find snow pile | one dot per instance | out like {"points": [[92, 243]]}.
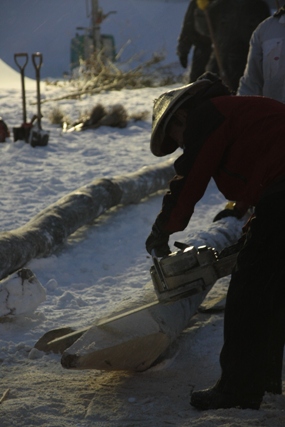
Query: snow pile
{"points": [[11, 79], [20, 294]]}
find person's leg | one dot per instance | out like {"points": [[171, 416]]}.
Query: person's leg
{"points": [[251, 358], [201, 56]]}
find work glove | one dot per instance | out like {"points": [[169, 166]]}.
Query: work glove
{"points": [[230, 210], [183, 59], [157, 242]]}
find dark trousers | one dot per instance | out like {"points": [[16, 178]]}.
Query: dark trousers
{"points": [[254, 324], [201, 57]]}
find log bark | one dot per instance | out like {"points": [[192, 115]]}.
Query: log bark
{"points": [[51, 227]]}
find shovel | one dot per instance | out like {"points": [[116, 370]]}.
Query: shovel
{"points": [[23, 131], [37, 135]]}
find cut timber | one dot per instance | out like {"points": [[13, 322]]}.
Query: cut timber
{"points": [[133, 340], [51, 227]]}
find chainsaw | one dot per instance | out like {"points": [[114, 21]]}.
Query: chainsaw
{"points": [[190, 270], [187, 272]]}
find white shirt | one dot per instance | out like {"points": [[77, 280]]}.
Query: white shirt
{"points": [[265, 69]]}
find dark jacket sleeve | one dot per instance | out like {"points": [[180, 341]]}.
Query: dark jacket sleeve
{"points": [[189, 35], [194, 168]]}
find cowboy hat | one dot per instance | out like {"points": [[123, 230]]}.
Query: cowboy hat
{"points": [[167, 104]]}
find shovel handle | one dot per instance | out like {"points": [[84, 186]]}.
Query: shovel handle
{"points": [[22, 68], [23, 55], [37, 59]]}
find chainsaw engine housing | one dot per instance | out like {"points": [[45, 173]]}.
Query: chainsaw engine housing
{"points": [[188, 272]]}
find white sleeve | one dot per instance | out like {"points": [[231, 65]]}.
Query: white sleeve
{"points": [[251, 83]]}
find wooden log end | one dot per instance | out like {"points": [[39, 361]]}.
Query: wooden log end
{"points": [[134, 355]]}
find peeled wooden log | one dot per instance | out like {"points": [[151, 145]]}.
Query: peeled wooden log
{"points": [[50, 228], [132, 341]]}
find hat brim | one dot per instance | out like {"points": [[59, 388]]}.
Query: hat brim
{"points": [[164, 108]]}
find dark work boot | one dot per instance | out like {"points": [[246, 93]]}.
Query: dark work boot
{"points": [[213, 398]]}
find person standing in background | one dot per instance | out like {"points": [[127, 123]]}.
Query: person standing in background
{"points": [[264, 74], [265, 69], [191, 38]]}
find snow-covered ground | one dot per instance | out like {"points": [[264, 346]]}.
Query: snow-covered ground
{"points": [[101, 266]]}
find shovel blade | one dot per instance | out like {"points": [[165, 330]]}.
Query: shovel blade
{"points": [[38, 137], [21, 133]]}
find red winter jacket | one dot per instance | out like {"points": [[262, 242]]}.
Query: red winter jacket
{"points": [[244, 153]]}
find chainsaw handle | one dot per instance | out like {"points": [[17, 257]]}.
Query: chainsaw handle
{"points": [[37, 59], [158, 269], [23, 55]]}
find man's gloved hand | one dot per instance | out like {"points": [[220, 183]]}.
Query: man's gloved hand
{"points": [[157, 241], [183, 59], [230, 210]]}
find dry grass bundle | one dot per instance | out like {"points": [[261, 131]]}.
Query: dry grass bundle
{"points": [[114, 116], [97, 113], [57, 116], [101, 74]]}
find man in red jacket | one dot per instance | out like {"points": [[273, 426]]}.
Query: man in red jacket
{"points": [[239, 142]]}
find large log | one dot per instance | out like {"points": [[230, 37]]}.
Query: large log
{"points": [[134, 340], [50, 228]]}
